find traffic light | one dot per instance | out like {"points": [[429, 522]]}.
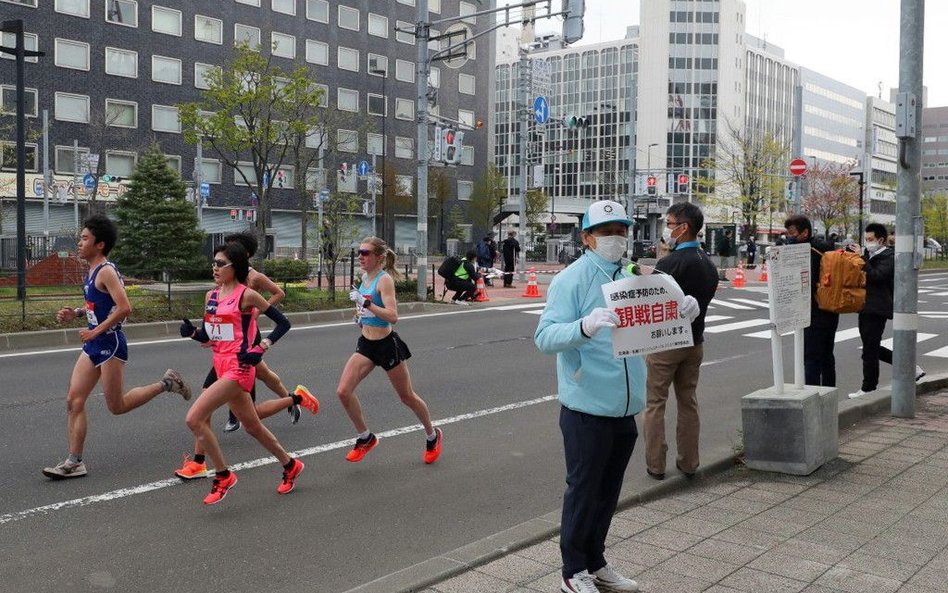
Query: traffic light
{"points": [[683, 183], [453, 143], [573, 23], [651, 183], [438, 150], [576, 122]]}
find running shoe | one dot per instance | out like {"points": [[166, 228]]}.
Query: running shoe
{"points": [[294, 412], [309, 400], [362, 446], [289, 477], [65, 470], [178, 385], [232, 424], [191, 469], [220, 488], [433, 448]]}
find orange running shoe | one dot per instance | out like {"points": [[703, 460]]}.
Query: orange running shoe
{"points": [[220, 488], [289, 476], [433, 448], [309, 400], [192, 469], [362, 446]]}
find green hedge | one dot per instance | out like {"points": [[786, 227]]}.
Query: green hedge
{"points": [[286, 270]]}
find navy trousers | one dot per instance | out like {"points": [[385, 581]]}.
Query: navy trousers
{"points": [[597, 450]]}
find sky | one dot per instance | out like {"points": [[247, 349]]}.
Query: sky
{"points": [[853, 41]]}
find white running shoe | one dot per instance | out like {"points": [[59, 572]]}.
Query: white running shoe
{"points": [[581, 582], [607, 578], [919, 373], [65, 469], [859, 393]]}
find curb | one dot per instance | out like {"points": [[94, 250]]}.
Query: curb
{"points": [[445, 566]]}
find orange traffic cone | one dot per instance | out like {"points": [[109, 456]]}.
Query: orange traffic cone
{"points": [[533, 290], [763, 272], [480, 295], [739, 281]]}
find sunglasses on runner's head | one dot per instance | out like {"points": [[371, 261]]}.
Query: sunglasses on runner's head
{"points": [[220, 264], [365, 252]]}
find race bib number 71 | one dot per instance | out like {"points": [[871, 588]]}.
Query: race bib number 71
{"points": [[219, 332]]}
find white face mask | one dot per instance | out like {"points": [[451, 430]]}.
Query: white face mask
{"points": [[872, 246], [611, 248]]}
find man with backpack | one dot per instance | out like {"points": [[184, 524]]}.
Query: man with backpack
{"points": [[819, 362], [880, 285]]}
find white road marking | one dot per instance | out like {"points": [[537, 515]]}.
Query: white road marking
{"points": [[152, 486], [515, 307], [940, 353], [540, 312], [730, 305], [763, 305], [846, 334], [713, 318], [727, 327], [919, 338]]}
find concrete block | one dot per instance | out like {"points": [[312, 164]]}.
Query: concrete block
{"points": [[794, 432]]}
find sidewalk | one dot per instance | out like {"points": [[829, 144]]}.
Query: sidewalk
{"points": [[873, 520]]}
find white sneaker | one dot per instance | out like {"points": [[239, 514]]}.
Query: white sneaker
{"points": [[859, 393], [607, 578], [919, 373], [65, 469], [462, 303], [581, 582]]}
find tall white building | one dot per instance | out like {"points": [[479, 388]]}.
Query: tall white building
{"points": [[881, 162]]}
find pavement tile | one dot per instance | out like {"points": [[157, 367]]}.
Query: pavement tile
{"points": [[548, 582], [625, 528], [781, 486], [903, 454], [940, 559], [545, 552], [756, 581], [934, 533], [816, 552], [784, 514], [912, 588], [792, 567], [823, 492], [474, 582], [805, 502], [722, 589], [850, 488], [851, 527], [881, 567], [713, 514], [820, 589], [698, 567], [724, 551], [878, 501], [750, 507], [723, 488], [749, 537], [879, 517], [761, 523], [641, 553], [694, 526], [866, 479], [671, 505], [660, 581], [640, 514], [699, 497], [853, 581], [924, 441], [809, 480], [840, 541], [667, 538], [515, 569], [759, 495], [887, 548]]}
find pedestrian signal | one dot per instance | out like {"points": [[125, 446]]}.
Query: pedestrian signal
{"points": [[651, 181]]}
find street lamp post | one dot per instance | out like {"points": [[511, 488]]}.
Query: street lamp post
{"points": [[861, 181], [384, 74]]}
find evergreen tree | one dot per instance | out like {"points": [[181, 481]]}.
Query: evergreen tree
{"points": [[158, 228]]}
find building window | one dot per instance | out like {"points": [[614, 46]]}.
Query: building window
{"points": [[404, 185], [466, 84], [8, 100], [378, 65], [73, 7], [323, 95], [208, 29], [374, 144], [347, 140], [121, 114], [317, 10], [245, 174], [465, 189], [174, 162], [404, 109], [347, 99], [284, 46], [122, 12], [466, 8], [466, 117], [348, 18], [120, 164], [404, 147], [201, 72], [315, 179], [71, 107], [164, 118], [404, 71], [8, 157], [66, 160], [347, 59], [434, 78], [248, 35], [434, 6], [166, 20], [211, 170], [378, 25], [376, 104], [284, 6], [167, 70], [317, 52], [30, 42], [407, 2], [121, 62], [404, 37], [72, 54], [467, 156]]}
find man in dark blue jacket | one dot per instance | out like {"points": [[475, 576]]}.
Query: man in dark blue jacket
{"points": [[880, 284]]}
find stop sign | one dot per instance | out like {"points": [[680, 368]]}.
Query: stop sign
{"points": [[798, 166]]}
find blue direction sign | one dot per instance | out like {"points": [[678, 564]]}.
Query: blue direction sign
{"points": [[363, 168], [323, 195], [541, 110], [88, 181], [205, 190]]}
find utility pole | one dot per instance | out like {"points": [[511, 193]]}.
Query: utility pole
{"points": [[422, 35], [523, 109], [908, 222], [860, 179]]}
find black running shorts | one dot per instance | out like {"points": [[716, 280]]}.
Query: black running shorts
{"points": [[386, 353]]}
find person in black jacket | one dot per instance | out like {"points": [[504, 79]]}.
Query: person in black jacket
{"points": [[464, 279], [819, 362], [880, 284], [511, 249], [692, 269]]}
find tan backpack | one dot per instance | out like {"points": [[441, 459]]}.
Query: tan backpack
{"points": [[841, 287]]}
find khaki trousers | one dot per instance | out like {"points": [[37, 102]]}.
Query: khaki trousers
{"points": [[681, 368]]}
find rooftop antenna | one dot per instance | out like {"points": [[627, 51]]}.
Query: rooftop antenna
{"points": [[880, 89]]}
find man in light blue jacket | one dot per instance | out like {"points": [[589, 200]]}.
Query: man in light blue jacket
{"points": [[600, 396]]}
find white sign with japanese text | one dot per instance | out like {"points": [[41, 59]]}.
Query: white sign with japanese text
{"points": [[647, 307], [788, 286]]}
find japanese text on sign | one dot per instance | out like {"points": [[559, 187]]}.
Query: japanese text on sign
{"points": [[649, 320]]}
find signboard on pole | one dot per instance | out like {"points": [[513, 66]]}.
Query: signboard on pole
{"points": [[541, 110], [798, 167], [88, 181], [363, 168], [205, 190], [788, 286], [649, 321]]}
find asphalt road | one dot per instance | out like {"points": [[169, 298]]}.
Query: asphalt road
{"points": [[131, 526]]}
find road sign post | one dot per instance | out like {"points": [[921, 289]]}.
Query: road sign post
{"points": [[797, 167], [541, 110]]}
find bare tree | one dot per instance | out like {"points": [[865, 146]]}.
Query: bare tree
{"points": [[831, 196]]}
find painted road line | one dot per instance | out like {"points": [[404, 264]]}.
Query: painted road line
{"points": [[940, 353], [919, 338], [846, 334], [516, 307], [728, 327], [763, 305], [259, 462], [713, 318], [724, 303]]}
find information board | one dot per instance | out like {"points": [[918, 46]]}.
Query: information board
{"points": [[789, 286], [648, 315]]}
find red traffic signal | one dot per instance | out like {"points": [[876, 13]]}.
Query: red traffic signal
{"points": [[449, 137], [651, 181], [682, 179]]}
